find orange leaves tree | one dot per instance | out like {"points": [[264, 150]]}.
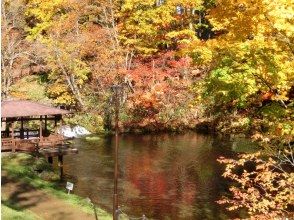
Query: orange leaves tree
{"points": [[161, 96], [263, 185]]}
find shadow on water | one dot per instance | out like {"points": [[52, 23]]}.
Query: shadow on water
{"points": [[164, 176]]}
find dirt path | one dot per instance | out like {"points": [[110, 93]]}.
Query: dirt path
{"points": [[43, 205]]}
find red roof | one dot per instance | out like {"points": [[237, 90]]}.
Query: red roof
{"points": [[23, 108]]}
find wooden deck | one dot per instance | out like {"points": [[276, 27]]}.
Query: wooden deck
{"points": [[53, 145], [25, 145], [57, 151], [56, 146]]}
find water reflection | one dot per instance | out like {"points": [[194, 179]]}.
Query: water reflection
{"points": [[163, 176]]}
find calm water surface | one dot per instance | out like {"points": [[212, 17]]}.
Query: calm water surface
{"points": [[165, 176]]}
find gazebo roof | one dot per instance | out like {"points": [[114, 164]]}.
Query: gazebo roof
{"points": [[24, 108]]}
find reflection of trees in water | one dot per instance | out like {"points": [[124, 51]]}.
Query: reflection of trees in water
{"points": [[162, 176], [180, 180], [92, 169]]}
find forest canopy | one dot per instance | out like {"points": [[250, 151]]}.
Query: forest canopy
{"points": [[225, 63]]}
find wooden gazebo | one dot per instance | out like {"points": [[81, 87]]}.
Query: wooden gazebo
{"points": [[18, 138], [24, 139]]}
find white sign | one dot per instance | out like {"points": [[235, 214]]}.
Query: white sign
{"points": [[69, 186]]}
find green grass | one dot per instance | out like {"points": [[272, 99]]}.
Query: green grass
{"points": [[92, 138], [21, 167], [8, 213]]}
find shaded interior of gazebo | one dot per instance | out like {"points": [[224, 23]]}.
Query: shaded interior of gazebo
{"points": [[15, 132]]}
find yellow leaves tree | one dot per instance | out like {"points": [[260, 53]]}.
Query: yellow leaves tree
{"points": [[80, 44], [266, 21], [66, 34], [42, 15], [150, 26], [252, 47]]}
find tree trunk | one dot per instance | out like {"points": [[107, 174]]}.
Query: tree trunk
{"points": [[70, 82]]}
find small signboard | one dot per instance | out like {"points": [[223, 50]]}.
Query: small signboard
{"points": [[69, 186]]}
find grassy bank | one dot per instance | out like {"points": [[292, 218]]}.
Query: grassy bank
{"points": [[38, 173], [14, 214]]}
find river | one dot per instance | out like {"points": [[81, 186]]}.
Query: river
{"points": [[164, 176]]}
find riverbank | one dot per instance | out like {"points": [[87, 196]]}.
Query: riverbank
{"points": [[29, 185]]}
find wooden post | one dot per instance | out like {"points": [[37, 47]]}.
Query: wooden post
{"points": [[60, 164], [41, 127], [7, 128], [12, 136], [117, 89], [45, 124], [21, 128], [55, 124], [50, 159], [61, 122]]}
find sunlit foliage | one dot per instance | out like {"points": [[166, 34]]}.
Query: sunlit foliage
{"points": [[250, 61], [151, 26], [224, 61], [264, 186]]}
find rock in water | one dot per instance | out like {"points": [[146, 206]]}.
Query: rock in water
{"points": [[76, 131], [80, 131], [66, 131]]}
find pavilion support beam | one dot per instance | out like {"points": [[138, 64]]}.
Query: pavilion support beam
{"points": [[55, 124], [46, 125], [7, 127], [60, 165], [41, 129], [12, 136], [61, 122], [50, 159], [21, 128]]}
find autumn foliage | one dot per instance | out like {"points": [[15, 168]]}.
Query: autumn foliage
{"points": [[160, 86], [224, 64], [264, 187]]}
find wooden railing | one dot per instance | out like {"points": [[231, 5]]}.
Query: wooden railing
{"points": [[32, 144], [9, 144], [51, 141]]}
